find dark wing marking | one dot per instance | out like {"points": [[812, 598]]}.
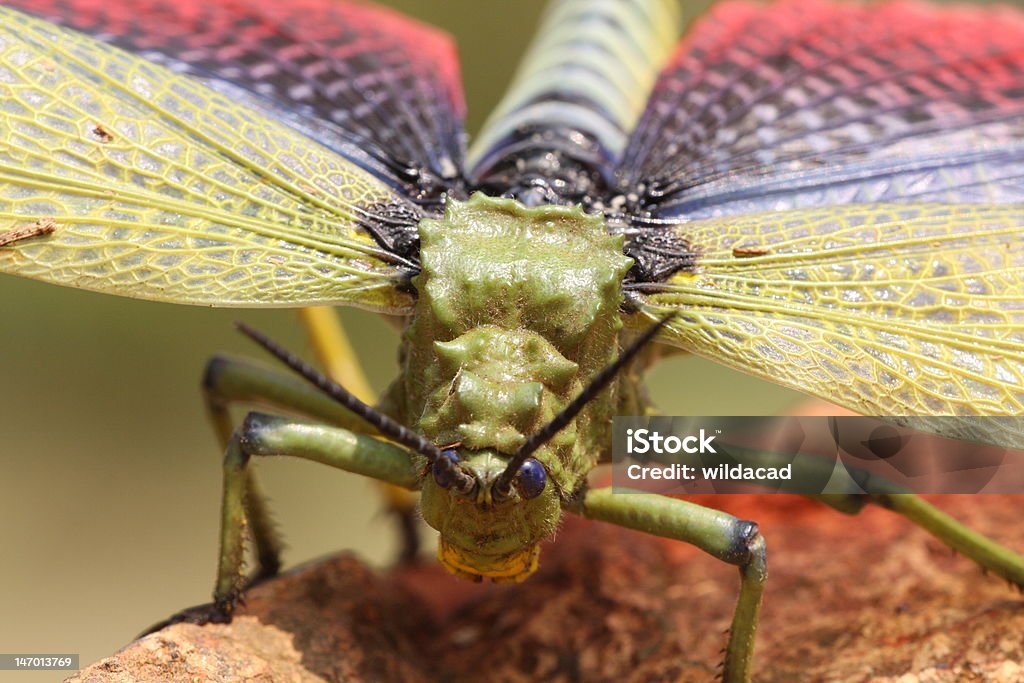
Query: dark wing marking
{"points": [[804, 103], [378, 88]]}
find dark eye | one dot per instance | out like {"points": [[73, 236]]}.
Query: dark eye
{"points": [[446, 468], [532, 478]]}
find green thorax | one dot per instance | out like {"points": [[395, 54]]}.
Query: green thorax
{"points": [[518, 308]]}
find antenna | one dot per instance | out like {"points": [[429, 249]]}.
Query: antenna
{"points": [[384, 424]]}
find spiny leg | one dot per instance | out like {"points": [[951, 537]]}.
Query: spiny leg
{"points": [[337, 356], [228, 381], [268, 435], [719, 534], [813, 472]]}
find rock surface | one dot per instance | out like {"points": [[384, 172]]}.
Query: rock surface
{"points": [[867, 598]]}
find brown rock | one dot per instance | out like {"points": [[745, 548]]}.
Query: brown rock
{"points": [[868, 598]]}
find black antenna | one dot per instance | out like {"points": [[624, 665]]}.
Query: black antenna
{"points": [[560, 421], [384, 424]]}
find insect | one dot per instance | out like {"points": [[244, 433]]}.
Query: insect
{"points": [[831, 201]]}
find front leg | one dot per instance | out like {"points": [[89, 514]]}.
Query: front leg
{"points": [[719, 534], [229, 381], [268, 435]]}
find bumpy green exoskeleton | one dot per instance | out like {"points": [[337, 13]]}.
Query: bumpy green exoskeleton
{"points": [[517, 309]]}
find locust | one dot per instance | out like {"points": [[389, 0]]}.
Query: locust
{"points": [[829, 196]]}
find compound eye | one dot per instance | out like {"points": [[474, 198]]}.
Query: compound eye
{"points": [[445, 468], [532, 478]]}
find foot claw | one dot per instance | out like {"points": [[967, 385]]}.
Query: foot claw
{"points": [[207, 613]]}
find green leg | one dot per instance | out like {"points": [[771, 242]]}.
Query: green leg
{"points": [[990, 555], [228, 381], [993, 557], [267, 435], [729, 539]]}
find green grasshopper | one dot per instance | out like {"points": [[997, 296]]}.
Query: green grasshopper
{"points": [[832, 224]]}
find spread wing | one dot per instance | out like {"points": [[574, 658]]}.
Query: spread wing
{"points": [[832, 195], [376, 87], [120, 176], [886, 309], [804, 103]]}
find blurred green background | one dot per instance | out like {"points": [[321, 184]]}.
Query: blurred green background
{"points": [[109, 473]]}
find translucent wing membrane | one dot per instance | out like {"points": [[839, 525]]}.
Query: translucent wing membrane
{"points": [[803, 103], [117, 175], [888, 309], [378, 88], [832, 195], [556, 136]]}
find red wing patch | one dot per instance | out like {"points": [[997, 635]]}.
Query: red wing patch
{"points": [[379, 88], [803, 103]]}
